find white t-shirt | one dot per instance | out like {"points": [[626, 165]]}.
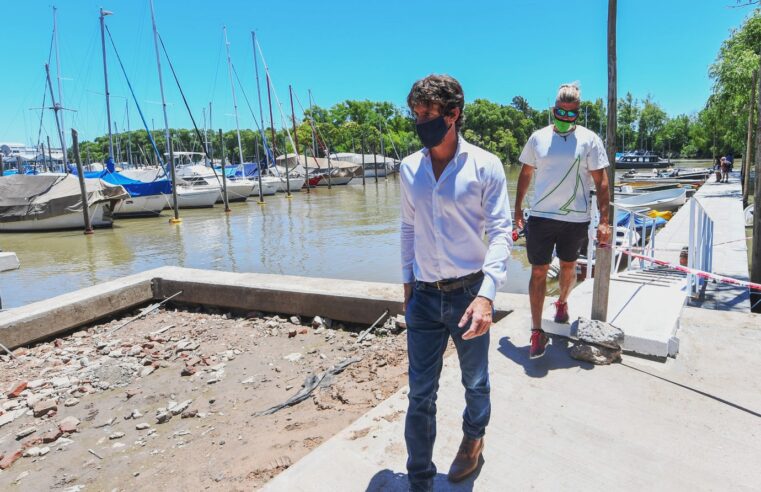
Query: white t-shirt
{"points": [[562, 165]]}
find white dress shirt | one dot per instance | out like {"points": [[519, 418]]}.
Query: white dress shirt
{"points": [[444, 221]]}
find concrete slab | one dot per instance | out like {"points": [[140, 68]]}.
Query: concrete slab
{"points": [[558, 424], [342, 300], [646, 308], [8, 261], [40, 320]]}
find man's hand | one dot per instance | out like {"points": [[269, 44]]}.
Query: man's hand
{"points": [[519, 222], [407, 295], [604, 232], [480, 312]]}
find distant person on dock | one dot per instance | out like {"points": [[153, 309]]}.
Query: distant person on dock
{"points": [[724, 170], [452, 193], [566, 159], [717, 168]]}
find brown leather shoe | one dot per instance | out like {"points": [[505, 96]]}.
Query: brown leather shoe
{"points": [[467, 459]]}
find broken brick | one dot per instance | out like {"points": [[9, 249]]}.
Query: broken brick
{"points": [[9, 459], [17, 389]]}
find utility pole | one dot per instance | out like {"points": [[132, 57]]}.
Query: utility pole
{"points": [[604, 255], [748, 158], [755, 257]]}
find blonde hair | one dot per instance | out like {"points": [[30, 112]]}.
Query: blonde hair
{"points": [[569, 93]]}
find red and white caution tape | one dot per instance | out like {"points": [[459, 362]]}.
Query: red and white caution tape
{"points": [[693, 271]]}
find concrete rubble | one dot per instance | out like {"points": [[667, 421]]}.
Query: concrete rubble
{"points": [[597, 342], [49, 393]]}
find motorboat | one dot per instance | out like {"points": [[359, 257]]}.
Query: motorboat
{"points": [[641, 159], [48, 202], [198, 175], [662, 175], [658, 200]]}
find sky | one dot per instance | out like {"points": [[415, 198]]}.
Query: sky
{"points": [[343, 49]]}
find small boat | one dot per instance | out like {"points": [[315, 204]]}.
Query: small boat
{"points": [[8, 261], [660, 200], [641, 159], [663, 175], [49, 202]]}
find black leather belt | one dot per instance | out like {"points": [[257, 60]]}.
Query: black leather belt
{"points": [[451, 284]]}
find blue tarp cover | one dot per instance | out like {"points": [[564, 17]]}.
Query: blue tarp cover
{"points": [[622, 219], [134, 188]]}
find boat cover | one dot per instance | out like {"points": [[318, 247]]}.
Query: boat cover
{"points": [[134, 187], [24, 197], [622, 219]]}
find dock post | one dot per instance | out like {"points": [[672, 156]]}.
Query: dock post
{"points": [[225, 199], [604, 255], [82, 187]]}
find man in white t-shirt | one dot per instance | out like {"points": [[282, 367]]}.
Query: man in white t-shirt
{"points": [[566, 160]]}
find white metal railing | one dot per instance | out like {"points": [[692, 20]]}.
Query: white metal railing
{"points": [[638, 237], [700, 247]]}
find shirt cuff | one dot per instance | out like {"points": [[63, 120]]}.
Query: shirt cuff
{"points": [[407, 275], [488, 289]]}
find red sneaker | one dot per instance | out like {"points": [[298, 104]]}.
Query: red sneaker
{"points": [[538, 343], [561, 312]]}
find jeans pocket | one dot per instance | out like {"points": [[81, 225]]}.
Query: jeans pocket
{"points": [[473, 289]]}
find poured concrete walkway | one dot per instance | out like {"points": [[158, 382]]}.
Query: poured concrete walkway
{"points": [[723, 204], [693, 423]]}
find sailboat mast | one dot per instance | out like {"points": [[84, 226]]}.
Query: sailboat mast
{"points": [[166, 120], [205, 139], [129, 134], [60, 88], [272, 120], [57, 109], [259, 94], [261, 126], [311, 115], [232, 88], [103, 14]]}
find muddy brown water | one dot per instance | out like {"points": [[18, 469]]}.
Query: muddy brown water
{"points": [[348, 232]]}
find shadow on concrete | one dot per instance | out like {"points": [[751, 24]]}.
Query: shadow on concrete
{"points": [[695, 390], [388, 481], [556, 357]]}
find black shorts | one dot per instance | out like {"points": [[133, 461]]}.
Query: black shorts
{"points": [[543, 235]]}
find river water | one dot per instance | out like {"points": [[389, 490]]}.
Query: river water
{"points": [[348, 232]]}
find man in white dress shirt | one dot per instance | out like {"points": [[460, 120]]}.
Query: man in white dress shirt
{"points": [[453, 193]]}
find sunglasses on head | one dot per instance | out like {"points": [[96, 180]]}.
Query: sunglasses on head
{"points": [[566, 113]]}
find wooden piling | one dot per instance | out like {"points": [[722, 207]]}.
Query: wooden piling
{"points": [[82, 187]]}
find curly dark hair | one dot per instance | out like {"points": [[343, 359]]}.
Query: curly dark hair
{"points": [[443, 90]]}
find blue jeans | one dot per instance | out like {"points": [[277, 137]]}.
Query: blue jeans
{"points": [[432, 317]]}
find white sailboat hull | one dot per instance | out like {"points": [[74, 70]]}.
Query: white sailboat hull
{"points": [[100, 216], [335, 181], [194, 197], [141, 206], [296, 183], [269, 186], [238, 190]]}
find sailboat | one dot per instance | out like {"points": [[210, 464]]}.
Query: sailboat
{"points": [[145, 199]]}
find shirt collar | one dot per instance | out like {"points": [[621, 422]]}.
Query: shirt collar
{"points": [[463, 147]]}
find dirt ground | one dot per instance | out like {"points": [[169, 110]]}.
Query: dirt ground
{"points": [[168, 402]]}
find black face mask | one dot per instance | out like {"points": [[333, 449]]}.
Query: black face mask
{"points": [[432, 132]]}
